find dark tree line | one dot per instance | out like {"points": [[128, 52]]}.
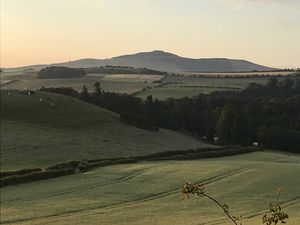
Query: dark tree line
{"points": [[52, 72], [267, 114], [123, 69]]}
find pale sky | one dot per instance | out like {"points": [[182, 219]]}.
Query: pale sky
{"points": [[48, 31]]}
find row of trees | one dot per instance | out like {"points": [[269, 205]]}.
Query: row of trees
{"points": [[52, 72], [267, 114], [123, 69]]}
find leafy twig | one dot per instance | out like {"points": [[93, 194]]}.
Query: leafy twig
{"points": [[198, 189], [275, 214]]}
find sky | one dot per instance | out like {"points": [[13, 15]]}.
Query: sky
{"points": [[266, 32]]}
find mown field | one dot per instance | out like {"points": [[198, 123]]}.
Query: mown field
{"points": [[149, 193], [43, 129]]}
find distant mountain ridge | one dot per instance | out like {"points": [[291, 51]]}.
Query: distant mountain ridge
{"points": [[165, 61]]}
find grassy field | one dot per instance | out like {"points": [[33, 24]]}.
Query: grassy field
{"points": [[77, 83], [214, 81], [177, 91], [272, 73], [149, 193], [133, 77], [189, 86], [44, 128], [121, 83]]}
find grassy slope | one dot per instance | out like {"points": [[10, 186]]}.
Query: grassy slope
{"points": [[59, 128], [148, 193]]}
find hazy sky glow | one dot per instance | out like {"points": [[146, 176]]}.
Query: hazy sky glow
{"points": [[47, 31]]}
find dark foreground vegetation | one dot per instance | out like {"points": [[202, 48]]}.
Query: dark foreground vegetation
{"points": [[53, 72], [267, 115], [77, 166]]}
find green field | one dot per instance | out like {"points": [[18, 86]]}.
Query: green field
{"points": [[45, 128], [214, 81], [133, 78], [149, 193], [269, 73], [189, 86], [174, 86], [77, 84], [173, 91]]}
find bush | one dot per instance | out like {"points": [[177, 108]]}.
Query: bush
{"points": [[83, 166]]}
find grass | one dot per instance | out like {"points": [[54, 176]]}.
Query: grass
{"points": [[189, 86], [77, 83], [149, 193], [133, 77], [271, 73], [44, 128], [216, 82], [177, 92]]}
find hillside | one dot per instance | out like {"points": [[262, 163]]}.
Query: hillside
{"points": [[149, 193], [164, 61], [43, 128]]}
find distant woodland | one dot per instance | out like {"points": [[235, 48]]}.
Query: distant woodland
{"points": [[60, 72], [122, 69], [266, 115]]}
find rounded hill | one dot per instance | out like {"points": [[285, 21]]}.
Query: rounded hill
{"points": [[42, 128]]}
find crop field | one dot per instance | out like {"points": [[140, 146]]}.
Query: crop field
{"points": [[174, 86], [215, 82], [133, 78], [58, 128], [272, 73], [189, 86], [77, 84], [166, 92], [149, 193]]}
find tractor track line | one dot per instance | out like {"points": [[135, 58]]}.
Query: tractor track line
{"points": [[134, 202]]}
